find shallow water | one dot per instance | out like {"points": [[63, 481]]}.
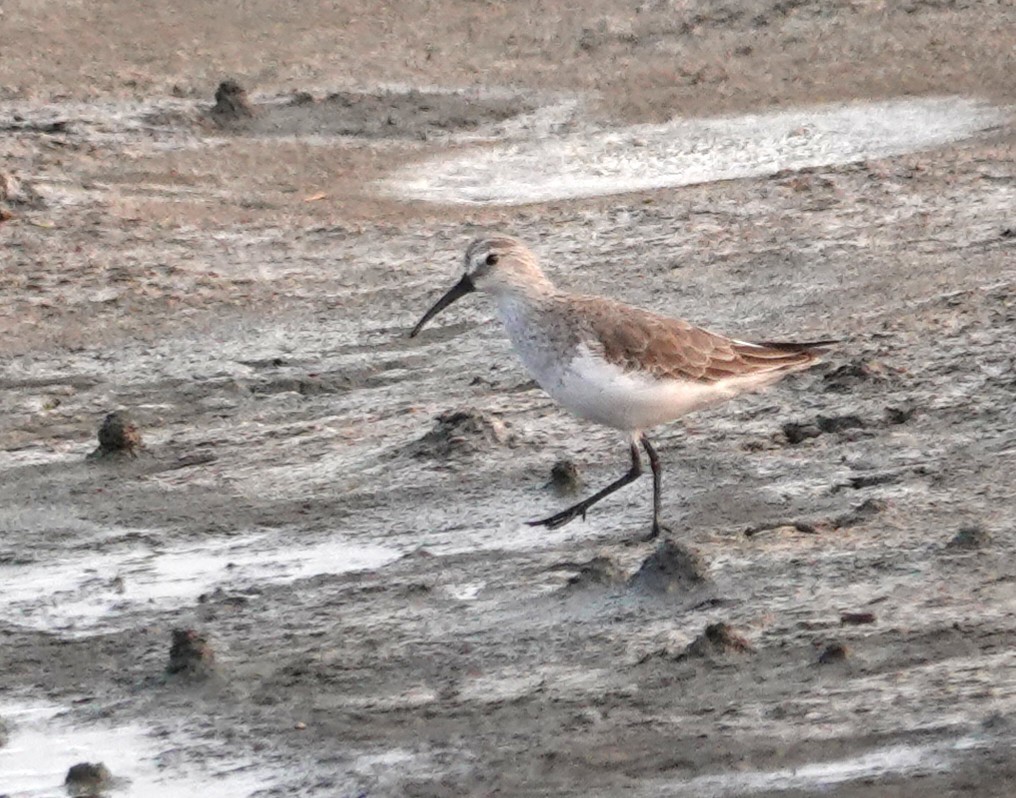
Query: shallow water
{"points": [[92, 589], [688, 151], [44, 745]]}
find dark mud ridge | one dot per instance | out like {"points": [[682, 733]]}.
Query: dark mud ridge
{"points": [[378, 114]]}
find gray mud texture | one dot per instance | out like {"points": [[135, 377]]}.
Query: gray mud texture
{"points": [[338, 509]]}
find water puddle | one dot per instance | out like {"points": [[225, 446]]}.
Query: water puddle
{"points": [[900, 760], [94, 589], [44, 745], [688, 151]]}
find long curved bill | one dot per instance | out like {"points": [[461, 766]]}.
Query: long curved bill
{"points": [[460, 289]]}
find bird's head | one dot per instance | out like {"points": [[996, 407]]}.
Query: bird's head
{"points": [[494, 265]]}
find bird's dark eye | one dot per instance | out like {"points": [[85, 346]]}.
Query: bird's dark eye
{"points": [[492, 258]]}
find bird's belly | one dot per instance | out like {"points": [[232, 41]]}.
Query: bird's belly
{"points": [[599, 391]]}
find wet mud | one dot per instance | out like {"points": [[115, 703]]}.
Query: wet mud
{"points": [[379, 114], [301, 567]]}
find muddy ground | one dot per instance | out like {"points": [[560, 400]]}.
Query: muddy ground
{"points": [[382, 621]]}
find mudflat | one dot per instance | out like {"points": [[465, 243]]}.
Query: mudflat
{"points": [[324, 518]]}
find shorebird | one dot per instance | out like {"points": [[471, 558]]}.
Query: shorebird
{"points": [[612, 363]]}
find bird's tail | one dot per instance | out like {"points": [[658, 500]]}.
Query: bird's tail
{"points": [[794, 346]]}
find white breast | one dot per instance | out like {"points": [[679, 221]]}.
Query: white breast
{"points": [[542, 346]]}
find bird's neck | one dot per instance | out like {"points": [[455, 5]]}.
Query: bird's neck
{"points": [[520, 305], [536, 287]]}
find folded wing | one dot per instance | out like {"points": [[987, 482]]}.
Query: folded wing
{"points": [[638, 340]]}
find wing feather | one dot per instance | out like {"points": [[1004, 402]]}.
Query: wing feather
{"points": [[637, 340]]}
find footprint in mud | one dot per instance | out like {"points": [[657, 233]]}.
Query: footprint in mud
{"points": [[859, 515], [796, 432]]}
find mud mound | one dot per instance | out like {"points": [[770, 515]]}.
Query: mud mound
{"points": [[850, 376], [373, 115], [598, 572], [672, 568], [833, 653], [88, 779], [463, 432], [857, 618], [564, 478], [861, 514], [190, 655], [717, 640], [119, 436], [970, 538], [16, 193], [231, 103], [304, 385]]}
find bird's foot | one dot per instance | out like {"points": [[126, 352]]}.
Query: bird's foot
{"points": [[561, 518], [655, 532]]}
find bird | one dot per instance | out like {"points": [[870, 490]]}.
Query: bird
{"points": [[611, 363]]}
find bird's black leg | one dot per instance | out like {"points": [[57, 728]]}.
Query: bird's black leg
{"points": [[563, 517], [654, 463]]}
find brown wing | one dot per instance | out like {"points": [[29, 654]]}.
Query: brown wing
{"points": [[636, 339]]}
